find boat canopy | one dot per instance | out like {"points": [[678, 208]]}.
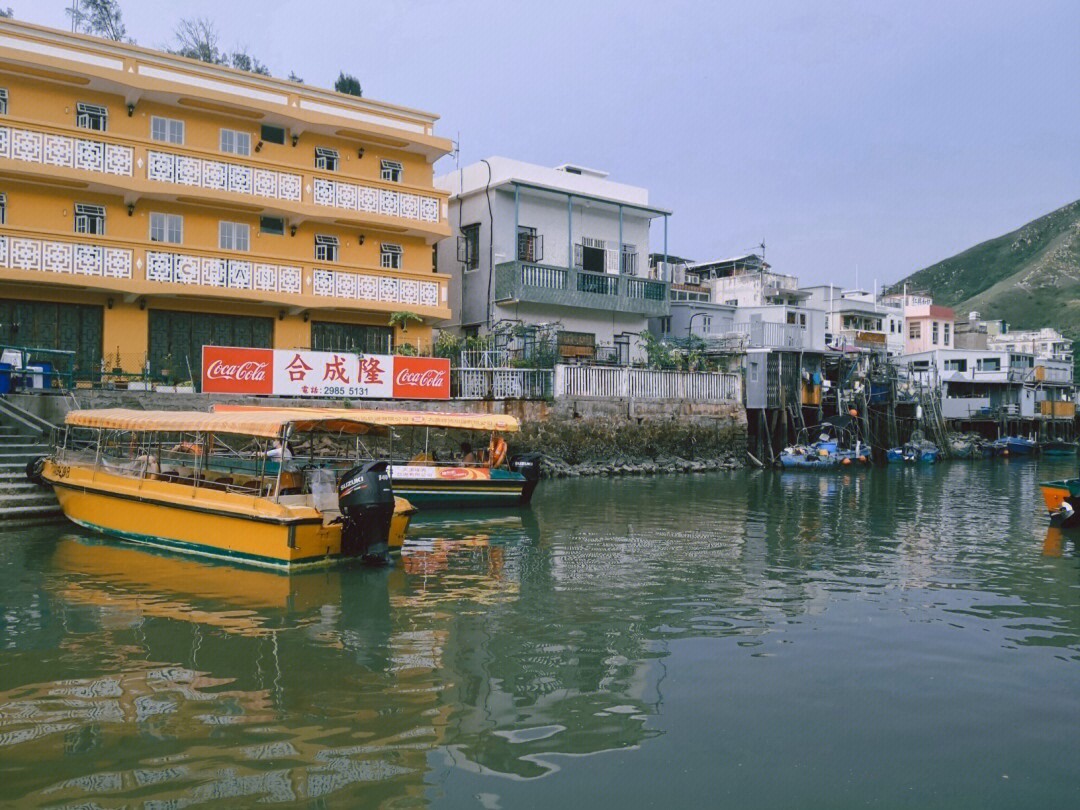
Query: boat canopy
{"points": [[267, 423], [394, 418]]}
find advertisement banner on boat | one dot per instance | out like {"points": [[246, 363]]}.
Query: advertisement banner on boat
{"points": [[300, 373]]}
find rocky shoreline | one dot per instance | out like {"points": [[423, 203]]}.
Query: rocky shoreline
{"points": [[552, 467]]}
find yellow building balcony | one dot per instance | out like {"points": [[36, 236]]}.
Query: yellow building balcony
{"points": [[134, 270], [137, 169]]}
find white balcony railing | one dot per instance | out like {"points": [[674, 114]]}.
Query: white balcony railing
{"points": [[65, 151], [220, 175], [65, 258], [766, 335]]}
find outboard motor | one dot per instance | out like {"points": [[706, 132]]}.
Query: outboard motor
{"points": [[366, 500], [528, 465]]}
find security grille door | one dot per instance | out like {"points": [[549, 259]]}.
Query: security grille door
{"points": [[45, 325]]}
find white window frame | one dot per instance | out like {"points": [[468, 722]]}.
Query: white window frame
{"points": [[235, 142], [87, 114], [392, 171], [169, 226], [390, 256], [234, 236], [3, 100], [90, 219], [172, 129], [326, 159], [326, 248]]}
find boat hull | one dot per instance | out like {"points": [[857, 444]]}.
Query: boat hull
{"points": [[206, 523], [1062, 499], [461, 487]]}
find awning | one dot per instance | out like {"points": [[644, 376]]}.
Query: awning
{"points": [[269, 423], [394, 418]]}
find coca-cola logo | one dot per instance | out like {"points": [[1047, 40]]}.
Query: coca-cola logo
{"points": [[431, 378], [249, 371]]}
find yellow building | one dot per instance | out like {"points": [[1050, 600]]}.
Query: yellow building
{"points": [[151, 204]]}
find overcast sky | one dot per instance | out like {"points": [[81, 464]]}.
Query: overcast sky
{"points": [[880, 135]]}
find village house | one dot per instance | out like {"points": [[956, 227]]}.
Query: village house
{"points": [[562, 249]]}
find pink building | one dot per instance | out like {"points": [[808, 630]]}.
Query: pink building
{"points": [[928, 327]]}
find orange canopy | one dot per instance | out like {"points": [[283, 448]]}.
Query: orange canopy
{"points": [[268, 423], [393, 418]]}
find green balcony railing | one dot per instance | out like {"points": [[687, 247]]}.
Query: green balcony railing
{"points": [[533, 283]]}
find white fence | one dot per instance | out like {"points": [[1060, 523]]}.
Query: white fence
{"points": [[637, 383], [500, 383]]}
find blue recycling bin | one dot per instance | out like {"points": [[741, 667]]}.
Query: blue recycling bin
{"points": [[46, 372], [5, 378]]}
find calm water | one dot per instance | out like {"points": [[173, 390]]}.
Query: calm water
{"points": [[881, 638]]}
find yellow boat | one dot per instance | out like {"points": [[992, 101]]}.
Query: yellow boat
{"points": [[213, 485]]}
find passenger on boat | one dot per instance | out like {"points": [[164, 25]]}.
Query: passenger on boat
{"points": [[468, 457]]}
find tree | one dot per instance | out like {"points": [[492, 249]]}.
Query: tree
{"points": [[294, 78], [349, 84], [102, 18], [198, 38], [7, 12]]}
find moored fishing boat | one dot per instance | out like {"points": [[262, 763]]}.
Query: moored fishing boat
{"points": [[1062, 499], [1058, 448], [491, 478], [224, 486], [1014, 446], [835, 446], [918, 450]]}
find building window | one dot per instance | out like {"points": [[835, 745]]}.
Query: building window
{"points": [[469, 246], [628, 260], [791, 317], [3, 101], [947, 335], [89, 219], [3, 209], [391, 171], [234, 236], [235, 142], [326, 159], [988, 364], [914, 330], [934, 333], [530, 247], [272, 134], [956, 365], [170, 130], [272, 225], [665, 326], [167, 228], [326, 248], [91, 116], [802, 319], [390, 256]]}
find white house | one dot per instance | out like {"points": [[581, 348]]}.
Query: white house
{"points": [[564, 248]]}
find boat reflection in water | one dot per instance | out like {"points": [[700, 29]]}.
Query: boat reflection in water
{"points": [[337, 682]]}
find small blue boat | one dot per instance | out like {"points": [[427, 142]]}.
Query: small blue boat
{"points": [[826, 451], [914, 453], [1014, 446]]}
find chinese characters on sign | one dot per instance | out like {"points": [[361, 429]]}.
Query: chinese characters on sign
{"points": [[298, 373]]}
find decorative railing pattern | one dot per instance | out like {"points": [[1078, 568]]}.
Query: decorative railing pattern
{"points": [[233, 274], [371, 200], [637, 383], [74, 258], [52, 149], [363, 287], [501, 383], [219, 175]]}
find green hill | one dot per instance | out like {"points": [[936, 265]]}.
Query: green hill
{"points": [[1030, 277]]}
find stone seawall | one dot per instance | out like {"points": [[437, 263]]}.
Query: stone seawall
{"points": [[576, 436]]}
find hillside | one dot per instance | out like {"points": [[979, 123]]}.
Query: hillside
{"points": [[1030, 277]]}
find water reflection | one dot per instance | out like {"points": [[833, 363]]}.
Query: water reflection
{"points": [[511, 645]]}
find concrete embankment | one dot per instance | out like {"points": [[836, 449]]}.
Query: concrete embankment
{"points": [[578, 437]]}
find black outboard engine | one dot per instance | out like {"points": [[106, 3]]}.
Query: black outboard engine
{"points": [[528, 465], [366, 500]]}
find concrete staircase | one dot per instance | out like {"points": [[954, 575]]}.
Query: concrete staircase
{"points": [[23, 503]]}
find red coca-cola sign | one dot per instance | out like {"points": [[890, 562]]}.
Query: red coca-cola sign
{"points": [[421, 378], [229, 370]]}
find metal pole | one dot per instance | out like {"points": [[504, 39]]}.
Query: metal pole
{"points": [[620, 239], [665, 239], [569, 230], [517, 222]]}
